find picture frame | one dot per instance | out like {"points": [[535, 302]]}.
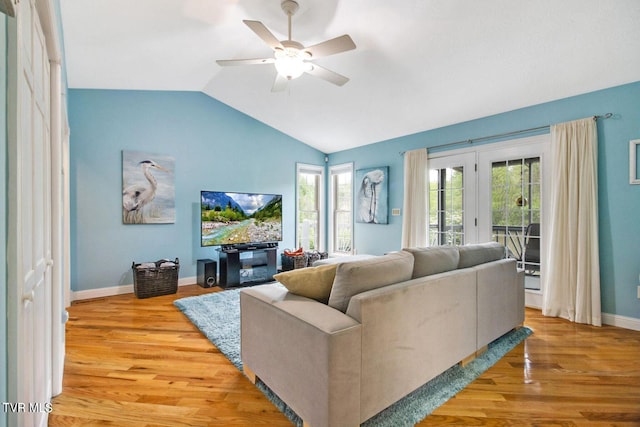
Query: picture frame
{"points": [[634, 161], [372, 195], [148, 188]]}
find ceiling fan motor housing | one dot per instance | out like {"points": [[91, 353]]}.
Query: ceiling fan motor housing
{"points": [[290, 7]]}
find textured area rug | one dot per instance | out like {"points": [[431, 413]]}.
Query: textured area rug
{"points": [[217, 315]]}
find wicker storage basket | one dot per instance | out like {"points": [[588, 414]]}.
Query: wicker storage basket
{"points": [[315, 256], [152, 281], [293, 262]]}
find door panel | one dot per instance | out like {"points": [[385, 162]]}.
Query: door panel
{"points": [[452, 200], [512, 200], [29, 243]]}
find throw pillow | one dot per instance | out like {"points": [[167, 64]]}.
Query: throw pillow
{"points": [[310, 282], [356, 277]]}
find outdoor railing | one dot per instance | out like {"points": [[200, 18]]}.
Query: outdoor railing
{"points": [[514, 238]]}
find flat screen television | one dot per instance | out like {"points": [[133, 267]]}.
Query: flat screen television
{"points": [[228, 219]]}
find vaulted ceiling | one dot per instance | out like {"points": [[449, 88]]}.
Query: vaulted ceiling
{"points": [[418, 65]]}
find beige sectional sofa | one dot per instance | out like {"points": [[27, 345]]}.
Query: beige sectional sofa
{"points": [[389, 325]]}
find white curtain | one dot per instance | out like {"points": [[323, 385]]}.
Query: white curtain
{"points": [[571, 281], [414, 220]]}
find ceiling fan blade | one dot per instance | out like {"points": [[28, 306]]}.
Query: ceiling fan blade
{"points": [[331, 47], [328, 75], [264, 33], [257, 61], [280, 83]]}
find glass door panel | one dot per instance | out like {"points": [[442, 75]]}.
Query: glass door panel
{"points": [[451, 200], [515, 219]]}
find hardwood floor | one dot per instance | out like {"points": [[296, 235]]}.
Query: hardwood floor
{"points": [[141, 363]]}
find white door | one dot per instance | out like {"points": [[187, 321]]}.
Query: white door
{"points": [[512, 187], [29, 235], [452, 200]]}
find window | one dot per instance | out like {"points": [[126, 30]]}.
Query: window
{"points": [[309, 203], [341, 209]]}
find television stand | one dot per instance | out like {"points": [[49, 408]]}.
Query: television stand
{"points": [[247, 265]]}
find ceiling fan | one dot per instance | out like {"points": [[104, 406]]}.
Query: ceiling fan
{"points": [[291, 58]]}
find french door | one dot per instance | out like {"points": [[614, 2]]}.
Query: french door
{"points": [[494, 192]]}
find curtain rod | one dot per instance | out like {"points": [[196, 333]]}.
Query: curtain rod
{"points": [[502, 135]]}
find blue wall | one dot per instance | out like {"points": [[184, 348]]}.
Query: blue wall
{"points": [[619, 202], [215, 148]]}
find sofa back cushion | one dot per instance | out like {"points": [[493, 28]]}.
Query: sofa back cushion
{"points": [[472, 255], [355, 277], [433, 260]]}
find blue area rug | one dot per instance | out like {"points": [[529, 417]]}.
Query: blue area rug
{"points": [[217, 315]]}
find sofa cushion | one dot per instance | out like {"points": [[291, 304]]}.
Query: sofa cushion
{"points": [[471, 255], [310, 282], [355, 277], [433, 260]]}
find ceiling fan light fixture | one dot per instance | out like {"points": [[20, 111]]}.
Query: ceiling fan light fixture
{"points": [[291, 62]]}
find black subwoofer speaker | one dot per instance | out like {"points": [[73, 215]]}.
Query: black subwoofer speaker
{"points": [[207, 272]]}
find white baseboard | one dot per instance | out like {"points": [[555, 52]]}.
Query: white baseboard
{"points": [[118, 290], [621, 321], [533, 299], [615, 320]]}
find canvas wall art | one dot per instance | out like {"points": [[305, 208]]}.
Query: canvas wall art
{"points": [[372, 195], [148, 188]]}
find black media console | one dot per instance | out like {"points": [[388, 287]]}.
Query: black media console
{"points": [[247, 265]]}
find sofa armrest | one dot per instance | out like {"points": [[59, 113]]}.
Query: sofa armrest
{"points": [[500, 299], [306, 352]]}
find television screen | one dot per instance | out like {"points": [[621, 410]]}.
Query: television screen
{"points": [[239, 218]]}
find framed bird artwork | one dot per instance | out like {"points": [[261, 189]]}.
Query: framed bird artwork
{"points": [[148, 188], [372, 195]]}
